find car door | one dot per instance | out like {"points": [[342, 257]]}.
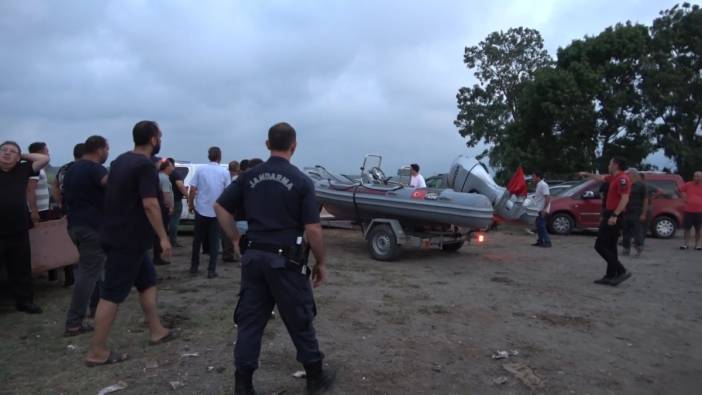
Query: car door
{"points": [[664, 196], [589, 205]]}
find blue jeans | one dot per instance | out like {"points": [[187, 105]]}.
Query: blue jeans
{"points": [[542, 231], [205, 227]]}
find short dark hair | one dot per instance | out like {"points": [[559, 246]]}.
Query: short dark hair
{"points": [[244, 165], [94, 143], [164, 164], [171, 160], [78, 151], [143, 132], [414, 167], [538, 173], [281, 136], [620, 162], [19, 149], [36, 147], [214, 154], [255, 162], [234, 166]]}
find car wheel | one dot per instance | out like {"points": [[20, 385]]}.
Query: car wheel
{"points": [[382, 243], [664, 227], [562, 224]]}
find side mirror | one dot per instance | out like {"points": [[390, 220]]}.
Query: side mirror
{"points": [[589, 195]]}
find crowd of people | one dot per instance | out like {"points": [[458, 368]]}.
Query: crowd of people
{"points": [[124, 222]]}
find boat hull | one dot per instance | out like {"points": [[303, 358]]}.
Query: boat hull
{"points": [[411, 207]]}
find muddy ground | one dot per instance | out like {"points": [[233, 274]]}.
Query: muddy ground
{"points": [[428, 323]]}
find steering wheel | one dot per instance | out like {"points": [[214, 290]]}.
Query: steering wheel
{"points": [[377, 175]]}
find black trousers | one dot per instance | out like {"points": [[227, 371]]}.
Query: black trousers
{"points": [[205, 227], [265, 283], [606, 245], [633, 228], [16, 255]]}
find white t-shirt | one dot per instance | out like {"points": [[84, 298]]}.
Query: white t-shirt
{"points": [[42, 191], [210, 181], [418, 181], [542, 190]]}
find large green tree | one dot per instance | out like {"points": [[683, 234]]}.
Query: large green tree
{"points": [[609, 68], [673, 85], [501, 63], [554, 131]]}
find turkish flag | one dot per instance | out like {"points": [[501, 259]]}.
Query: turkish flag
{"points": [[518, 185]]}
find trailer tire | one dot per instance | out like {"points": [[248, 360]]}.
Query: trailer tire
{"points": [[382, 243], [452, 247]]}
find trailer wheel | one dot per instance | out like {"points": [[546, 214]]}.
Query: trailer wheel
{"points": [[451, 247], [382, 243]]}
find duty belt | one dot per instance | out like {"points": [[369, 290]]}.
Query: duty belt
{"points": [[273, 249], [293, 262]]}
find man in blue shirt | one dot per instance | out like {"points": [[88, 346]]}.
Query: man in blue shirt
{"points": [[280, 205], [84, 198]]}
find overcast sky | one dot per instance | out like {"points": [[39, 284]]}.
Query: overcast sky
{"points": [[353, 77]]}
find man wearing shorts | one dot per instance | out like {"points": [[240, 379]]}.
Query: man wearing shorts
{"points": [[692, 195], [131, 215]]}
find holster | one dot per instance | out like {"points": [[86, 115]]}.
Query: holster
{"points": [[296, 256]]}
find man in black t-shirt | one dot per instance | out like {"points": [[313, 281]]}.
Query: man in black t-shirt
{"points": [[84, 198], [15, 251], [57, 186], [131, 215], [634, 221]]}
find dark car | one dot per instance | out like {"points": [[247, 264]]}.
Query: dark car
{"points": [[580, 207]]}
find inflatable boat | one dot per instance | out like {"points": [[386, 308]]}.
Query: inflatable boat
{"points": [[472, 201]]}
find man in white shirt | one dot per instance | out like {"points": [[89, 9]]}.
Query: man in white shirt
{"points": [[417, 180], [38, 189], [38, 200], [207, 184], [542, 202]]}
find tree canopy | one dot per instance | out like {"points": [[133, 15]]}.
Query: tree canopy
{"points": [[628, 91]]}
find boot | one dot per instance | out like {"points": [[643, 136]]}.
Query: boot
{"points": [[243, 382], [319, 381]]}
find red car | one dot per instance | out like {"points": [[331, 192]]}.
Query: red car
{"points": [[580, 207]]}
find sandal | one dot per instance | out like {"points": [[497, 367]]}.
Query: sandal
{"points": [[83, 328], [114, 357], [172, 335]]}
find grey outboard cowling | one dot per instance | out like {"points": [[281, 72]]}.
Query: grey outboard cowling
{"points": [[467, 174]]}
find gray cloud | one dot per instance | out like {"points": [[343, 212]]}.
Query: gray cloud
{"points": [[353, 77]]}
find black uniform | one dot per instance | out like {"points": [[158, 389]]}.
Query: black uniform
{"points": [[279, 201]]}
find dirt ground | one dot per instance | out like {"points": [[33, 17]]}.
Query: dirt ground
{"points": [[428, 323]]}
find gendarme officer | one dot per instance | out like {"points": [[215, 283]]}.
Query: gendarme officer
{"points": [[281, 209]]}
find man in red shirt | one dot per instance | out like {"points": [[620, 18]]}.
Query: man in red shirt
{"points": [[692, 195], [610, 225]]}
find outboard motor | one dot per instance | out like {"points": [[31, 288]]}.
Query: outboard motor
{"points": [[467, 174]]}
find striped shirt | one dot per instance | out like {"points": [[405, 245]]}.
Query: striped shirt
{"points": [[42, 191]]}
